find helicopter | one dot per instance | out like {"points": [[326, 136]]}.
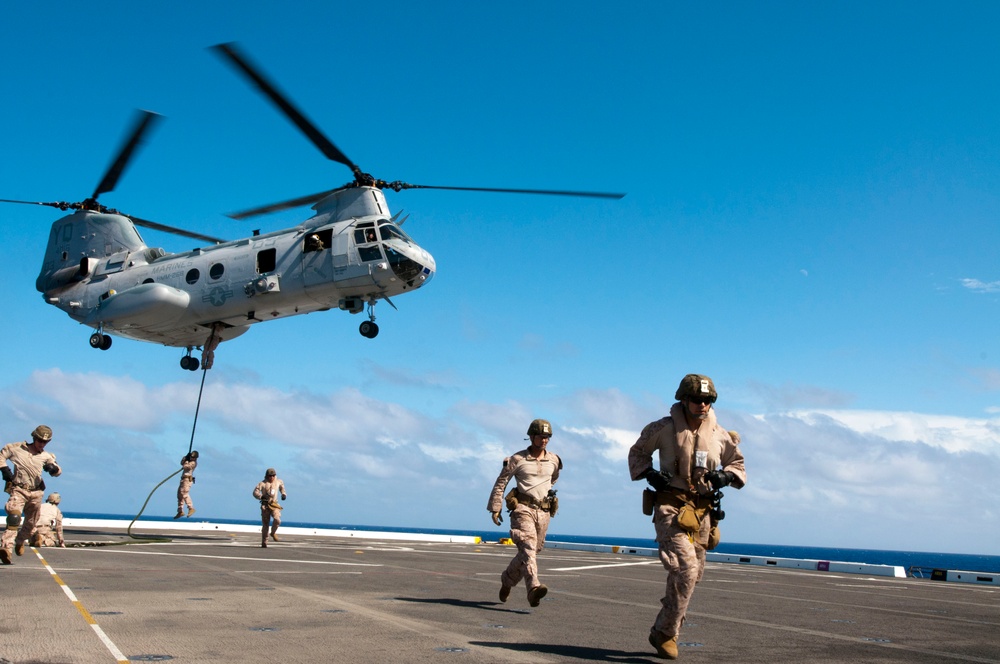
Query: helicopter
{"points": [[348, 256]]}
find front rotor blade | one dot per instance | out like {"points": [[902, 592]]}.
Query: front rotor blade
{"points": [[174, 231], [547, 192], [305, 126], [284, 205], [142, 123]]}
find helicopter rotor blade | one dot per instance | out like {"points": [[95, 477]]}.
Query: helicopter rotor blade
{"points": [[284, 205], [141, 125], [281, 101], [397, 186], [145, 223], [62, 205]]}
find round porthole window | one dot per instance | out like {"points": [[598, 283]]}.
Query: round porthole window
{"points": [[192, 276], [216, 271]]}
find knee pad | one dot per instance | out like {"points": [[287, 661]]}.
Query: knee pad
{"points": [[13, 520]]}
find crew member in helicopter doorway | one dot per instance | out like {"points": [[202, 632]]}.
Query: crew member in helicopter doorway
{"points": [[267, 492], [188, 463]]}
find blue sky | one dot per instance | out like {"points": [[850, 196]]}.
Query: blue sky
{"points": [[811, 220]]}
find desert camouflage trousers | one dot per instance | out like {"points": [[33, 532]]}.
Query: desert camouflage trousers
{"points": [[44, 536], [23, 508], [684, 561], [528, 526], [184, 494]]}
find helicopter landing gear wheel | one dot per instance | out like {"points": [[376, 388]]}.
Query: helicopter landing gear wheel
{"points": [[369, 329], [190, 363], [99, 340]]}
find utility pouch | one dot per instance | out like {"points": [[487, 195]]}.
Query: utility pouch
{"points": [[648, 500], [714, 537], [687, 519], [511, 500], [551, 505]]}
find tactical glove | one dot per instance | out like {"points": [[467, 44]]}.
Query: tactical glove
{"points": [[283, 496], [51, 468], [719, 478], [657, 480], [497, 518], [5, 472]]}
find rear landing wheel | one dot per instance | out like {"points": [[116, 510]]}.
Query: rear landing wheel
{"points": [[98, 340], [190, 363], [369, 329]]}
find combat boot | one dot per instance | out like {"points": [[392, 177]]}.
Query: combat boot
{"points": [[179, 514], [19, 548], [504, 592], [190, 511], [665, 648], [536, 594], [5, 556], [263, 544], [274, 536]]}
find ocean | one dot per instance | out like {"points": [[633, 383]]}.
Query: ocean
{"points": [[916, 562]]}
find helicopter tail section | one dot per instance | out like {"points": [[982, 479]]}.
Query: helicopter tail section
{"points": [[80, 242]]}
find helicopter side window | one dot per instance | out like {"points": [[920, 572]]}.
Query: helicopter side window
{"points": [[365, 236], [266, 260], [192, 276], [216, 271], [318, 241]]}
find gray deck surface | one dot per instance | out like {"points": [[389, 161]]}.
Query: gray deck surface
{"points": [[219, 597]]}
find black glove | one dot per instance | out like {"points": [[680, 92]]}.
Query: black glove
{"points": [[283, 496], [657, 480], [50, 468], [719, 478], [7, 475]]}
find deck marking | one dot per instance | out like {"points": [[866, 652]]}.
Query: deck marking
{"points": [[108, 643], [245, 558], [574, 569]]}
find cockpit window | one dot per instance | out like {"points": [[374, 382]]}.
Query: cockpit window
{"points": [[365, 236], [370, 253], [390, 231]]}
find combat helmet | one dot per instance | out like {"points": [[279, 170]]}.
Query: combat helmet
{"points": [[539, 428], [696, 385], [54, 498], [42, 432]]}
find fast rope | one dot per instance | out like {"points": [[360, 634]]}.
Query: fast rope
{"points": [[194, 426]]}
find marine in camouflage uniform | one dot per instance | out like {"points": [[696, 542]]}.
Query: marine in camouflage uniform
{"points": [[188, 463], [26, 488], [532, 503], [49, 530], [700, 457], [267, 492]]}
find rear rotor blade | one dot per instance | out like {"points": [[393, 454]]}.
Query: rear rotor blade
{"points": [[281, 101], [142, 124]]}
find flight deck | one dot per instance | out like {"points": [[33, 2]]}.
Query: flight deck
{"points": [[216, 596]]}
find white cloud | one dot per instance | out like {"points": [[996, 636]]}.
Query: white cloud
{"points": [[981, 286]]}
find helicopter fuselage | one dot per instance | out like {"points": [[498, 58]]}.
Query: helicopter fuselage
{"points": [[350, 254]]}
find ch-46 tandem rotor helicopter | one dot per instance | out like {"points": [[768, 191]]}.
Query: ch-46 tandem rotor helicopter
{"points": [[349, 255]]}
